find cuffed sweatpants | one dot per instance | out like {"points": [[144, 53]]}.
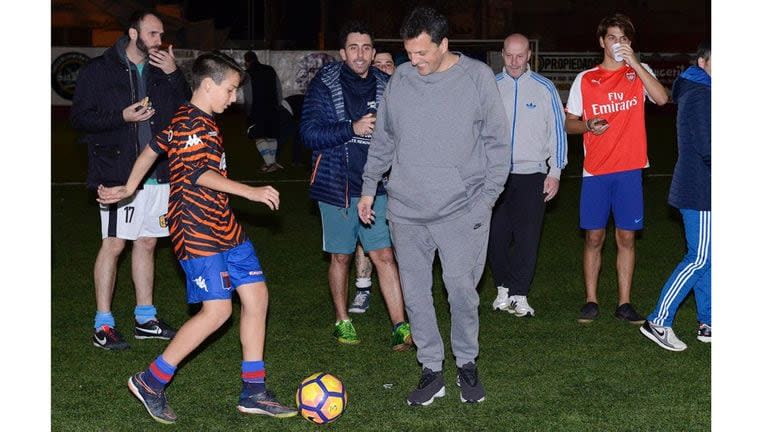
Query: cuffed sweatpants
{"points": [[462, 246], [517, 217], [693, 273]]}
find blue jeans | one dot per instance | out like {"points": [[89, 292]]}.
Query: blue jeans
{"points": [[693, 272]]}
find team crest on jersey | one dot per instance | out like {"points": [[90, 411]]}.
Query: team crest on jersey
{"points": [[225, 282], [631, 74], [163, 222]]}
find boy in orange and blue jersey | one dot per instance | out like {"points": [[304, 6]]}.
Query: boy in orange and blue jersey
{"points": [[211, 246]]}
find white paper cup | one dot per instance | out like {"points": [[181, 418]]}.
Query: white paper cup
{"points": [[616, 55]]}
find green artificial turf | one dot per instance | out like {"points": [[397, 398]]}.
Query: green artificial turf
{"points": [[548, 373]]}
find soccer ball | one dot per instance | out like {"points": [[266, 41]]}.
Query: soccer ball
{"points": [[321, 398]]}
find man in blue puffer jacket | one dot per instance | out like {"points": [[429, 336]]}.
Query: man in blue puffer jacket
{"points": [[690, 193], [337, 121], [124, 98]]}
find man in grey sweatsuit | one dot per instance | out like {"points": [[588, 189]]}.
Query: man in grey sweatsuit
{"points": [[442, 129], [538, 139]]}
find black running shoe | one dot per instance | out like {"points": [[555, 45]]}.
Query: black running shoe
{"points": [[155, 403], [627, 313], [153, 329], [588, 313], [109, 338], [704, 333], [472, 390], [264, 403], [431, 386]]}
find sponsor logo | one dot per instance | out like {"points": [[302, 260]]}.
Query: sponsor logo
{"points": [[223, 162], [477, 225], [659, 331], [595, 81], [631, 75], [213, 133], [163, 222], [200, 282], [225, 282], [169, 136], [530, 105], [193, 141], [101, 341], [64, 72], [615, 103], [254, 273], [638, 220]]}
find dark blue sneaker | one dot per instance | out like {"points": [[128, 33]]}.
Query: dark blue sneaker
{"points": [[153, 329], [109, 338], [472, 390], [264, 403], [155, 403]]}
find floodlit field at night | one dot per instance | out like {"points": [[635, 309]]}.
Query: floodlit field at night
{"points": [[548, 373]]}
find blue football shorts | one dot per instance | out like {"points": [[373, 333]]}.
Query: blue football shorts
{"points": [[342, 227], [619, 193], [215, 277]]}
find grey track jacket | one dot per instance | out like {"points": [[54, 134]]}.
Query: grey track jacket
{"points": [[537, 118], [446, 137]]}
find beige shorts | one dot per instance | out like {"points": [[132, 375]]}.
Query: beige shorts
{"points": [[142, 215]]}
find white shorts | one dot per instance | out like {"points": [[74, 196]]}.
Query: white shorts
{"points": [[143, 215]]}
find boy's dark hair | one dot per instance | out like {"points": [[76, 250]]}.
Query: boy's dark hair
{"points": [[617, 20], [134, 22], [704, 50], [354, 26], [214, 65], [425, 20]]}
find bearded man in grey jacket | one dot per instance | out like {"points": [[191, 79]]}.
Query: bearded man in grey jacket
{"points": [[442, 129]]}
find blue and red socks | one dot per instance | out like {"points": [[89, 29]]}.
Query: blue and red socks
{"points": [[158, 374], [253, 374]]}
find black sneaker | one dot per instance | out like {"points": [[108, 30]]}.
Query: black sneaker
{"points": [[627, 313], [588, 313], [155, 403], [153, 329], [431, 386], [264, 403], [472, 390], [704, 333], [109, 338]]}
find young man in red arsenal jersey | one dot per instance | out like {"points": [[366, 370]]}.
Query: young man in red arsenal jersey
{"points": [[212, 248], [607, 105]]}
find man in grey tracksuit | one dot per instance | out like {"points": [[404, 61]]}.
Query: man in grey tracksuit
{"points": [[442, 129], [537, 117]]}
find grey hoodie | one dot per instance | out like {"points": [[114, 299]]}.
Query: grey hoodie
{"points": [[446, 137]]}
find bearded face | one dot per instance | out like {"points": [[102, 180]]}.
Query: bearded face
{"points": [[145, 46]]}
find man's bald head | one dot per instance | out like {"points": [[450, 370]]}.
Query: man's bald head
{"points": [[516, 54]]}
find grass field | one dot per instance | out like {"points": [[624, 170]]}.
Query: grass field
{"points": [[543, 374]]}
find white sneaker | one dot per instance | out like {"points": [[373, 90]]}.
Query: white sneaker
{"points": [[663, 336], [502, 299], [518, 305]]}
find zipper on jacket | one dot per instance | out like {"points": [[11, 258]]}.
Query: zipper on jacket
{"points": [[514, 123], [314, 170]]}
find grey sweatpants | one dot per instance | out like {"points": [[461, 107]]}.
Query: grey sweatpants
{"points": [[462, 245]]}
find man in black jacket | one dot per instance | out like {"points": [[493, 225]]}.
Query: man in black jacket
{"points": [[122, 99], [262, 93]]}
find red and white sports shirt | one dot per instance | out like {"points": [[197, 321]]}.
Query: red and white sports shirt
{"points": [[619, 97]]}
